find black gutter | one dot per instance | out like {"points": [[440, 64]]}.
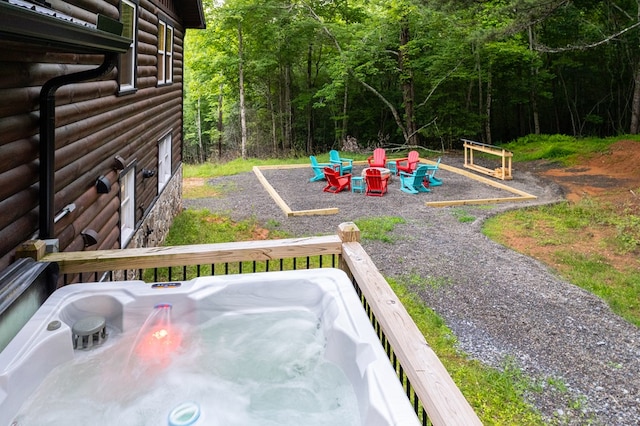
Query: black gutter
{"points": [[48, 138], [35, 26]]}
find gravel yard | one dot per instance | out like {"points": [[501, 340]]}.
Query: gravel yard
{"points": [[501, 305]]}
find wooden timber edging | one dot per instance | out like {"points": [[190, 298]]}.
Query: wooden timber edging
{"points": [[521, 195], [278, 199]]}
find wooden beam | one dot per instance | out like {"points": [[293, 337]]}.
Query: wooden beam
{"points": [[503, 172], [200, 254], [443, 401], [278, 199], [521, 195]]}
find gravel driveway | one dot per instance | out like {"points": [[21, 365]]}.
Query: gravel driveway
{"points": [[500, 304]]}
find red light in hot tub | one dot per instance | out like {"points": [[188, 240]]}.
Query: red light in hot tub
{"points": [[159, 343]]}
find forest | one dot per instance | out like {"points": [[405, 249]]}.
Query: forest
{"points": [[269, 78]]}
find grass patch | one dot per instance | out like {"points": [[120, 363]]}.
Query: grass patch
{"points": [[204, 227], [201, 188], [590, 266], [462, 215], [378, 228], [566, 150]]}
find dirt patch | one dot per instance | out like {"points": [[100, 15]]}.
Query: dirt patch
{"points": [[612, 177], [190, 183]]}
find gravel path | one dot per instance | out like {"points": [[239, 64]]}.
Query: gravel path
{"points": [[501, 305]]}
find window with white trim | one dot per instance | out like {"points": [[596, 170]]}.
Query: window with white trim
{"points": [[127, 69], [165, 52], [127, 205], [164, 161]]}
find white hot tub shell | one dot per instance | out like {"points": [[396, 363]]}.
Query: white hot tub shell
{"points": [[46, 341]]}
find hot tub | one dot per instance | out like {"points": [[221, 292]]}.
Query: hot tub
{"points": [[270, 348]]}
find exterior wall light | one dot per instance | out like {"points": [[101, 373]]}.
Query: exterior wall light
{"points": [[103, 185]]}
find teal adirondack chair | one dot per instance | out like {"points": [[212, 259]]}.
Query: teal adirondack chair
{"points": [[318, 169], [431, 171], [345, 164], [413, 183]]}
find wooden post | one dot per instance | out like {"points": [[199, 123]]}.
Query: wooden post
{"points": [[34, 249], [348, 232]]}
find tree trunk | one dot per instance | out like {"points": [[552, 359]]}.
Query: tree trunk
{"points": [[534, 89], [345, 106], [309, 106], [408, 92], [220, 122], [243, 117], [487, 124], [274, 125], [286, 112], [635, 106], [199, 127]]}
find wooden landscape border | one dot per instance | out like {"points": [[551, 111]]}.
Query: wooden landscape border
{"points": [[520, 195], [278, 199]]}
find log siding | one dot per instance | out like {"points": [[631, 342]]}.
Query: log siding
{"points": [[94, 123]]}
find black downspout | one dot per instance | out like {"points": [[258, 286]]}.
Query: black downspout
{"points": [[48, 138]]}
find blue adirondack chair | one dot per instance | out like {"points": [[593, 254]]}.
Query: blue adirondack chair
{"points": [[413, 183], [345, 164], [431, 171], [318, 169]]}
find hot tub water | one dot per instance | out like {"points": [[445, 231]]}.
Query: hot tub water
{"points": [[258, 369]]}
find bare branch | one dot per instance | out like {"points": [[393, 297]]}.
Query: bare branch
{"points": [[542, 48]]}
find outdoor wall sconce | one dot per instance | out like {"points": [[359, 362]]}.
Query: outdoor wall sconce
{"points": [[120, 164], [90, 237], [148, 173], [103, 185]]}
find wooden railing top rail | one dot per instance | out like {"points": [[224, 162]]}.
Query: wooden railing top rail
{"points": [[158, 257]]}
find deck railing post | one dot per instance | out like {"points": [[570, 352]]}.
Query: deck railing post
{"points": [[348, 233]]}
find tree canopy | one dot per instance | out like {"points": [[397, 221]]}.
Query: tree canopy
{"points": [[276, 77]]}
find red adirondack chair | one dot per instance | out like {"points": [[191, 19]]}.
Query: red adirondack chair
{"points": [[376, 184], [335, 182], [378, 159], [408, 164]]}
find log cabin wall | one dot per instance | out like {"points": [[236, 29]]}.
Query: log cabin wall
{"points": [[95, 122]]}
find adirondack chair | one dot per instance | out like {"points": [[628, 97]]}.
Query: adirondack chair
{"points": [[318, 169], [345, 164], [376, 184], [408, 164], [378, 159], [431, 171], [335, 182], [413, 183]]}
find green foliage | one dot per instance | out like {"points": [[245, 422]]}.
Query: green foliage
{"points": [[378, 228], [462, 215]]}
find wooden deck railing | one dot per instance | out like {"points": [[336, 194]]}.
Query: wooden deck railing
{"points": [[435, 397]]}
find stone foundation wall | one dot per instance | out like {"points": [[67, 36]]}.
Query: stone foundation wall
{"points": [[155, 225]]}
